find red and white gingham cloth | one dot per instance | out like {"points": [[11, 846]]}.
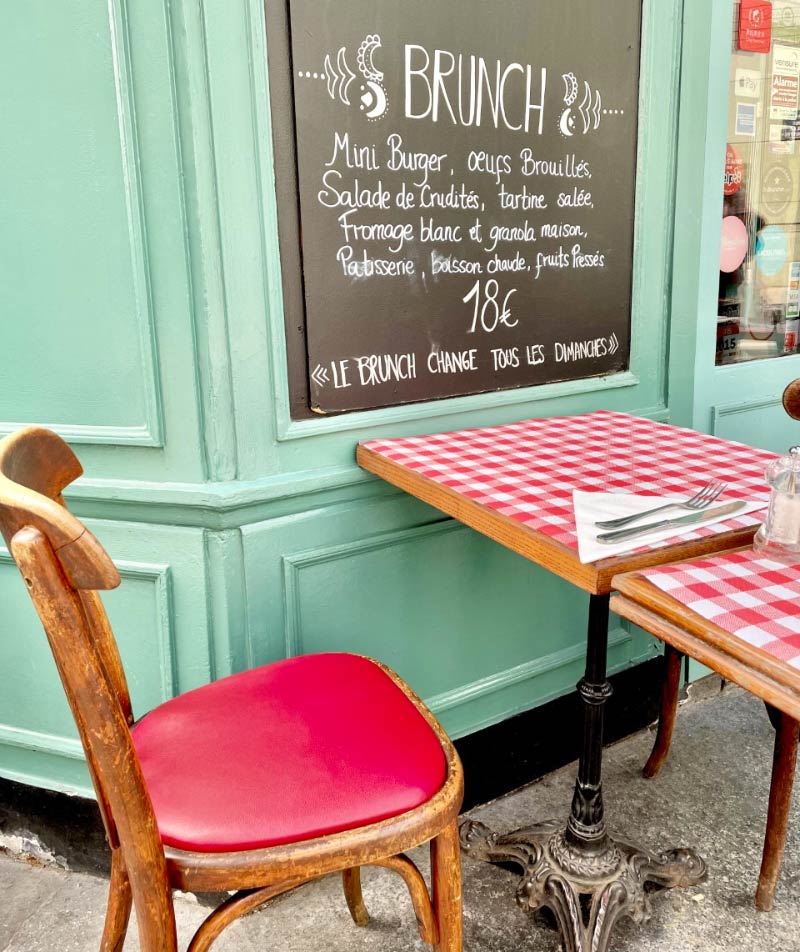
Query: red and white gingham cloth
{"points": [[528, 470], [755, 598]]}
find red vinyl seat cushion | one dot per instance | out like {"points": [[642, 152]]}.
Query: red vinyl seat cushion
{"points": [[286, 752]]}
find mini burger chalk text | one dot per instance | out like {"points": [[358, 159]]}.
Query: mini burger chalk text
{"points": [[491, 223]]}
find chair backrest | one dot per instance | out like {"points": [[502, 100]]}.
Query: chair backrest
{"points": [[791, 399], [63, 566]]}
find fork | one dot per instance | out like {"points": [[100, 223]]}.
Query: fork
{"points": [[701, 499]]}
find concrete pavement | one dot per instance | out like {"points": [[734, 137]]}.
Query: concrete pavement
{"points": [[712, 794]]}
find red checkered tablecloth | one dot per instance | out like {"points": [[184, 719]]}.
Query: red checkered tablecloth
{"points": [[755, 598], [528, 470]]}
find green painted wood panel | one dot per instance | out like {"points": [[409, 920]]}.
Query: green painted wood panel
{"points": [[72, 236], [159, 616], [479, 632], [140, 222]]}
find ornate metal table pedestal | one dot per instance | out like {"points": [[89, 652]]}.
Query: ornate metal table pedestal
{"points": [[588, 879]]}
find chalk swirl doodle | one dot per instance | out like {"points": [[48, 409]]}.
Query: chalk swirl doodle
{"points": [[339, 77], [589, 109], [364, 58]]}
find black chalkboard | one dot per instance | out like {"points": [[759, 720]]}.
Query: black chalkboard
{"points": [[463, 193]]}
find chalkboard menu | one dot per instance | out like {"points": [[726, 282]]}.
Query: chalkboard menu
{"points": [[463, 193]]}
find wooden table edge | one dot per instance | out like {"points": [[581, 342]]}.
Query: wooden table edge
{"points": [[640, 601], [593, 577]]}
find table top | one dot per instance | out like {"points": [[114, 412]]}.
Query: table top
{"points": [[743, 605], [514, 483]]}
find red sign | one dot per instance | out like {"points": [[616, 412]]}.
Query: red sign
{"points": [[734, 171], [755, 26]]}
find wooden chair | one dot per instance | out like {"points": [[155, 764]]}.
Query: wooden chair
{"points": [[256, 783]]}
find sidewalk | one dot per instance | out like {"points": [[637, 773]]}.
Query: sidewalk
{"points": [[712, 795]]}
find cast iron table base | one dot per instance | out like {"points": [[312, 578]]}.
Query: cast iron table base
{"points": [[588, 879]]}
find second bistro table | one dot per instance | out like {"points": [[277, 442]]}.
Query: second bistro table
{"points": [[514, 484]]}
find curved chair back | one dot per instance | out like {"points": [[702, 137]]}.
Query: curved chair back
{"points": [[791, 399], [63, 566]]}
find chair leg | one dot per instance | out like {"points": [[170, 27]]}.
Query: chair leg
{"points": [[152, 903], [673, 661], [446, 880], [238, 905], [774, 715], [418, 891], [780, 797], [351, 880], [118, 911]]}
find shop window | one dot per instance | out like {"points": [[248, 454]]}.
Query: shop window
{"points": [[759, 282]]}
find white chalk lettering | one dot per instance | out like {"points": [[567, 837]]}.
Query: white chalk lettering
{"points": [[355, 196], [483, 93], [376, 369], [496, 165], [577, 198], [524, 201], [355, 156], [397, 234], [581, 260], [534, 354], [453, 197], [402, 161], [430, 232], [515, 233], [447, 264], [366, 267], [558, 259], [561, 230], [452, 362], [496, 264], [581, 350], [505, 357], [568, 167]]}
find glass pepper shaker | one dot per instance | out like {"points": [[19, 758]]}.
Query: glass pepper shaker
{"points": [[779, 537]]}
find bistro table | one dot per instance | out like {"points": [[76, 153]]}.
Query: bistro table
{"points": [[738, 613], [514, 484]]}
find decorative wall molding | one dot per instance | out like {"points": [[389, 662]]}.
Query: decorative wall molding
{"points": [[150, 431], [722, 410], [161, 577], [69, 747], [135, 208], [294, 564], [518, 674], [235, 503], [201, 212], [88, 433], [452, 406]]}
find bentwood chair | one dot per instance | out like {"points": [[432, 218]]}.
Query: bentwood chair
{"points": [[255, 783]]}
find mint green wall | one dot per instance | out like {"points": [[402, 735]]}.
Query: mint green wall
{"points": [[735, 402], [141, 317]]}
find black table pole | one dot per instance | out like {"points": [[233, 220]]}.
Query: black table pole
{"points": [[587, 878], [586, 826]]}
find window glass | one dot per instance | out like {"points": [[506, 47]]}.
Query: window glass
{"points": [[759, 282]]}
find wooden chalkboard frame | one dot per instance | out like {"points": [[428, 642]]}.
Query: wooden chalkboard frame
{"points": [[279, 52], [278, 20]]}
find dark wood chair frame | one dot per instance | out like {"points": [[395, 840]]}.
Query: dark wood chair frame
{"points": [[64, 567]]}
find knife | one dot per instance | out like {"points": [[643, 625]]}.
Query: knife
{"points": [[706, 514]]}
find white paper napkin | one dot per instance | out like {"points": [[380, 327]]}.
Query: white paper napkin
{"points": [[593, 507]]}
